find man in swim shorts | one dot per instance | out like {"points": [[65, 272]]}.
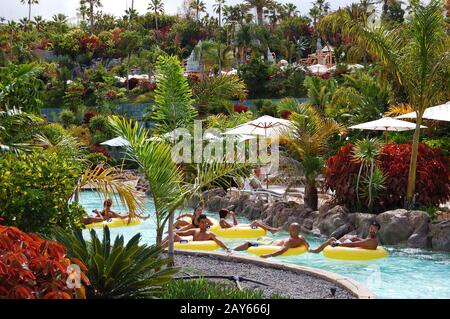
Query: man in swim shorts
{"points": [[295, 240], [371, 242], [224, 214], [198, 234], [103, 215]]}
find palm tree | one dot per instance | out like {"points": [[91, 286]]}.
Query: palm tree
{"points": [[199, 6], [260, 5], [60, 18], [83, 10], [309, 140], [157, 6], [218, 7], [290, 10], [415, 55], [170, 186], [30, 3], [91, 12], [38, 23]]}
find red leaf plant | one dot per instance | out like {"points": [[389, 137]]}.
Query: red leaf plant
{"points": [[239, 108], [33, 268], [432, 180]]}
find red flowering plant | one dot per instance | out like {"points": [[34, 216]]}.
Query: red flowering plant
{"points": [[33, 268], [240, 108], [432, 181], [286, 114], [88, 115], [100, 149]]}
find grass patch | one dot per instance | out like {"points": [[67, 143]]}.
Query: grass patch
{"points": [[202, 289]]}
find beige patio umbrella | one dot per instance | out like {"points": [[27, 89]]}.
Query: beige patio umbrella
{"points": [[387, 124], [267, 126], [437, 113]]}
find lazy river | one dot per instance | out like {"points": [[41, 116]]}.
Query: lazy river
{"points": [[406, 273]]}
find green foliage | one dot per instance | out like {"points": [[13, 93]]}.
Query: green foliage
{"points": [[202, 289], [96, 158], [256, 75], [214, 93], [320, 91], [361, 98], [35, 189], [21, 87], [17, 129], [266, 107], [118, 270], [54, 132], [67, 118], [173, 97]]}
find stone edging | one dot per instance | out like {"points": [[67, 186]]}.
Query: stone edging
{"points": [[354, 287]]}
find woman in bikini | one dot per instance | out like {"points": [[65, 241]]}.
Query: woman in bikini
{"points": [[103, 215], [183, 225]]}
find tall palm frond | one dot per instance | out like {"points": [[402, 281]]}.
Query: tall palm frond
{"points": [[105, 181]]}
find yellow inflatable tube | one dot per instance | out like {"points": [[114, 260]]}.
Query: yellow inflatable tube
{"points": [[238, 232], [197, 245], [348, 253], [114, 223], [263, 250]]}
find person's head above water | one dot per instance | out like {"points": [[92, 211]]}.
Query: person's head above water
{"points": [[294, 229], [374, 228], [223, 213], [203, 222], [198, 210], [107, 203]]}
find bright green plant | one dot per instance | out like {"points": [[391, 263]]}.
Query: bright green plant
{"points": [[35, 189], [213, 93], [202, 289], [173, 97], [118, 270], [20, 87], [16, 130], [67, 118]]}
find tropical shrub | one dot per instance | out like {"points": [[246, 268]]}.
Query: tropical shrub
{"points": [[214, 93], [67, 118], [341, 172], [433, 172], [35, 189], [21, 87], [117, 269], [81, 133], [53, 132], [255, 75], [266, 107], [202, 289], [88, 115], [100, 150], [95, 158], [33, 268]]}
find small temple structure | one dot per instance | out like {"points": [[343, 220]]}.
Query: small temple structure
{"points": [[324, 55]]}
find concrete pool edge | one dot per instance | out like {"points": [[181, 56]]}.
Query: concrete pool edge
{"points": [[357, 289]]}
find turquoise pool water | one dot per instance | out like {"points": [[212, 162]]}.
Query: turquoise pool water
{"points": [[406, 273]]}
